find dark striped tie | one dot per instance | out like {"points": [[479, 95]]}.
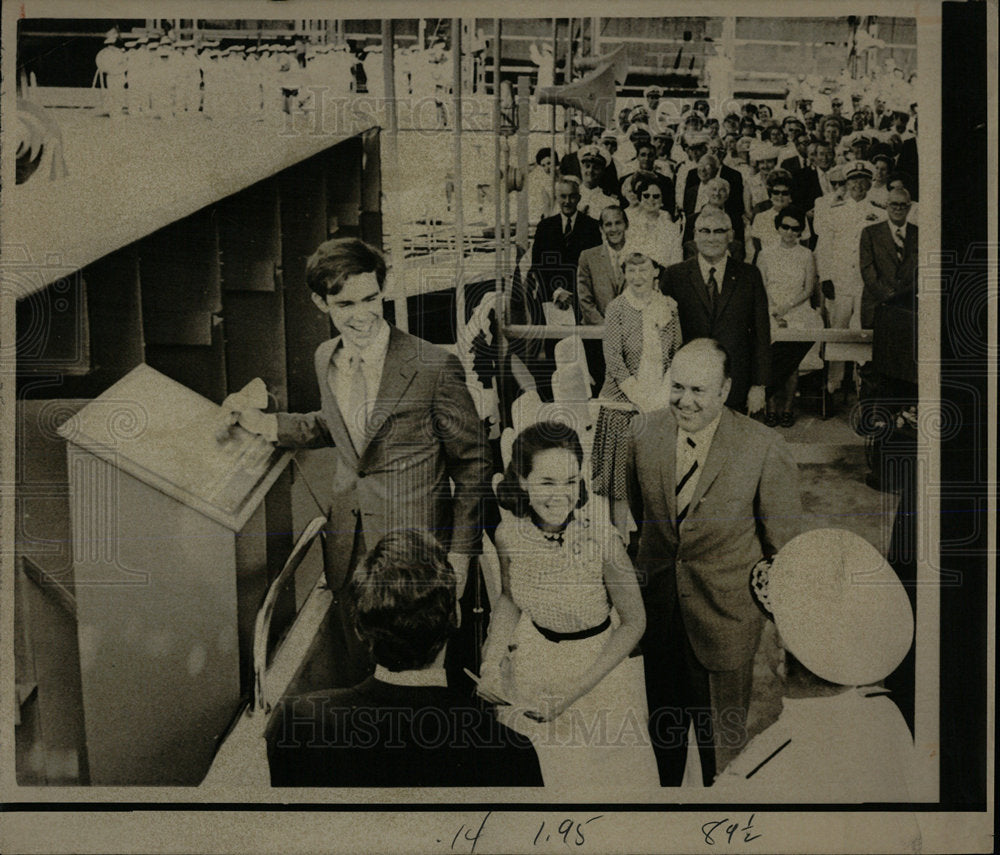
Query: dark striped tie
{"points": [[686, 484]]}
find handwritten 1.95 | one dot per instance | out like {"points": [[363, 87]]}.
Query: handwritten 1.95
{"points": [[726, 832], [571, 832]]}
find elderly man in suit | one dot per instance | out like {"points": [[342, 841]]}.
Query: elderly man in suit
{"points": [[402, 726], [888, 257], [696, 194], [721, 297], [555, 253], [410, 448], [712, 492]]}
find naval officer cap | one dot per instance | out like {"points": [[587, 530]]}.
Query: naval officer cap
{"points": [[859, 169], [591, 152], [839, 607]]}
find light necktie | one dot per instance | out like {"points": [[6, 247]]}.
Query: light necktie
{"points": [[712, 287], [356, 414], [688, 481]]}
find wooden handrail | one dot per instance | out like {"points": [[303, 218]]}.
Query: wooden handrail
{"points": [[596, 331]]}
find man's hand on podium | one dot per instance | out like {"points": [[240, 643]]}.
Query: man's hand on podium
{"points": [[245, 408]]}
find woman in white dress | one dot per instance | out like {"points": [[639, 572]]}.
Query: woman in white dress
{"points": [[651, 230], [789, 273], [569, 615]]}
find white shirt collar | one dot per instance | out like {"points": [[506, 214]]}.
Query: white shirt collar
{"points": [[702, 438], [423, 677], [720, 267], [373, 354]]}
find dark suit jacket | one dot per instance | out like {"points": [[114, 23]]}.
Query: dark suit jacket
{"points": [[382, 735], [746, 505], [793, 164], [806, 188], [734, 204], [597, 284], [885, 278], [740, 323], [554, 259], [423, 432], [908, 162]]}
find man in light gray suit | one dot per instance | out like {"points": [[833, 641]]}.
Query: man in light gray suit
{"points": [[599, 279], [404, 425], [713, 492]]}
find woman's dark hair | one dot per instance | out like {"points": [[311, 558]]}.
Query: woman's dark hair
{"points": [[778, 177], [539, 437], [643, 181], [543, 153], [335, 260], [403, 596], [790, 213]]}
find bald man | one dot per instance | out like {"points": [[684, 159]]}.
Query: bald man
{"points": [[713, 492]]}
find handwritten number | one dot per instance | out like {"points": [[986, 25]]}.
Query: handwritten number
{"points": [[540, 828], [565, 827], [455, 838], [709, 828]]}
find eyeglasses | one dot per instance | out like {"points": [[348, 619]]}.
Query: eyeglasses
{"points": [[790, 227], [721, 231], [652, 195], [777, 192], [899, 206]]}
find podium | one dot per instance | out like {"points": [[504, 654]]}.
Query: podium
{"points": [[170, 563]]}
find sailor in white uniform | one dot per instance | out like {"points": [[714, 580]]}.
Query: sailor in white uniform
{"points": [[844, 624]]}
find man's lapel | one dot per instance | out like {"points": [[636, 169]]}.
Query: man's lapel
{"points": [[718, 452], [397, 373], [729, 282], [668, 465]]}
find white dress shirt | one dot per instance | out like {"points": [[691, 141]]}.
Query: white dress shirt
{"points": [[686, 455], [423, 677]]}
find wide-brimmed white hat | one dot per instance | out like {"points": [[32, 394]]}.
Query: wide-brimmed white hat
{"points": [[839, 607]]}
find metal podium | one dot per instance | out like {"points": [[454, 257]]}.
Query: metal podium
{"points": [[170, 565]]}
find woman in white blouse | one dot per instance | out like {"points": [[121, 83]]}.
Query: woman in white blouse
{"points": [[651, 230]]}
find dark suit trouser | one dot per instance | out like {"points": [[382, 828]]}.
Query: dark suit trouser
{"points": [[680, 691]]}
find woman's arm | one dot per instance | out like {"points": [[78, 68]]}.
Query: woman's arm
{"points": [[620, 580], [501, 631]]}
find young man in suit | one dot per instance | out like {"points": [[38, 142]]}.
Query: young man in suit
{"points": [[599, 279], [713, 492], [403, 726], [405, 429], [721, 297]]}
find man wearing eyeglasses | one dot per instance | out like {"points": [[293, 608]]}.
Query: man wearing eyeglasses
{"points": [[723, 298], [888, 254]]}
